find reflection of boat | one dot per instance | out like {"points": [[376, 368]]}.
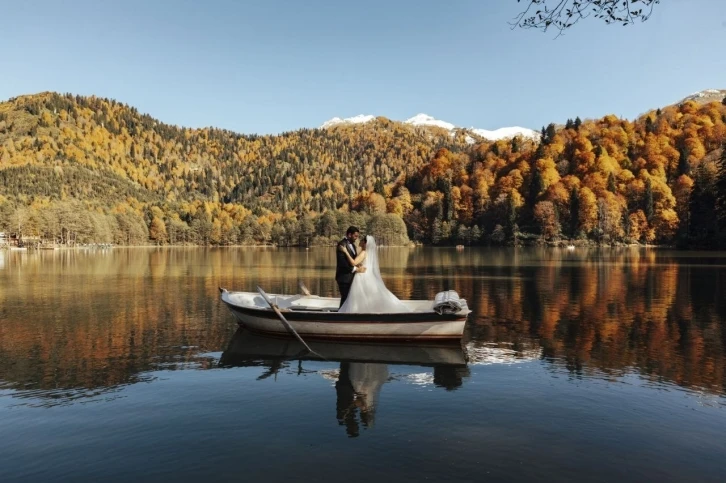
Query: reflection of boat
{"points": [[364, 368], [315, 317], [247, 347]]}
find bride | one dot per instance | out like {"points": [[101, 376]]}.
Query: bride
{"points": [[368, 293]]}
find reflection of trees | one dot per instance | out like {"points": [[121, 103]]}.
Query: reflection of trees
{"points": [[87, 319], [610, 310], [76, 319]]}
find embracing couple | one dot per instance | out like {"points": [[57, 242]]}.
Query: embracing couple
{"points": [[359, 278]]}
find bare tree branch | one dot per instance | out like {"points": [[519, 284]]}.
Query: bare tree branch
{"points": [[563, 14]]}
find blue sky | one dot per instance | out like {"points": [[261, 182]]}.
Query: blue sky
{"points": [[268, 67]]}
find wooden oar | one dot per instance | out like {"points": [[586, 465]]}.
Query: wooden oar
{"points": [[284, 321], [303, 288]]}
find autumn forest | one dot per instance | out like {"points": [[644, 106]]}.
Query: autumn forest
{"points": [[77, 170]]}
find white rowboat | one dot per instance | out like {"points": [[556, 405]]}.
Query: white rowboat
{"points": [[314, 317]]}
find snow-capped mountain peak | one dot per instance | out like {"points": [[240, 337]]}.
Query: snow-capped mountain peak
{"points": [[426, 120], [359, 119], [706, 95], [506, 133], [422, 119]]}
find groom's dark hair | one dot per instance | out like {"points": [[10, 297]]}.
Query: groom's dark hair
{"points": [[352, 229]]}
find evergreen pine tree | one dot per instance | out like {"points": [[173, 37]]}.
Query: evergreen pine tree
{"points": [[574, 212], [720, 196], [436, 231], [684, 167], [649, 125], [511, 221], [648, 201], [625, 219], [447, 210], [551, 131], [536, 186], [701, 208], [611, 183]]}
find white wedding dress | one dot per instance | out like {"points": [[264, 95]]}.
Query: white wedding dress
{"points": [[368, 294]]}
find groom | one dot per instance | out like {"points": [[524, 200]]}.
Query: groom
{"points": [[344, 271]]}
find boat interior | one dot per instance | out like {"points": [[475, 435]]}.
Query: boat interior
{"points": [[301, 302]]}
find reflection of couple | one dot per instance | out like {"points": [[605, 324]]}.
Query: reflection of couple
{"points": [[358, 387], [359, 278]]}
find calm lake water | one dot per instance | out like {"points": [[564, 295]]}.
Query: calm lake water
{"points": [[584, 365]]}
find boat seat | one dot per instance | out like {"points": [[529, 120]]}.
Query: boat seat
{"points": [[314, 303]]}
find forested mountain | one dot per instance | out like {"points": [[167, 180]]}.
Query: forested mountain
{"points": [[85, 169]]}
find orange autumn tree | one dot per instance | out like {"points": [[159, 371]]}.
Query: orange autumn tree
{"points": [[546, 216], [629, 178], [138, 180]]}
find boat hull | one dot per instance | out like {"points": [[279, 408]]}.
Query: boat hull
{"points": [[324, 325], [246, 348]]}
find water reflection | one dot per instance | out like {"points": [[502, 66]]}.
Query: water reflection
{"points": [[81, 322], [362, 368], [615, 358]]}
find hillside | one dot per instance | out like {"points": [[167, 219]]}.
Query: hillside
{"points": [[188, 164], [82, 169], [471, 135]]}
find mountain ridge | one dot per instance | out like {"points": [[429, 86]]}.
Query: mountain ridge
{"points": [[700, 97], [705, 96], [139, 178], [422, 119], [425, 120]]}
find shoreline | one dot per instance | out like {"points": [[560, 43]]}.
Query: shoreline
{"points": [[561, 245]]}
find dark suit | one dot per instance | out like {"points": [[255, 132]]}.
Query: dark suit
{"points": [[344, 270]]}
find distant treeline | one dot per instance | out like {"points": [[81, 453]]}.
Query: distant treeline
{"points": [[70, 223], [83, 169]]}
